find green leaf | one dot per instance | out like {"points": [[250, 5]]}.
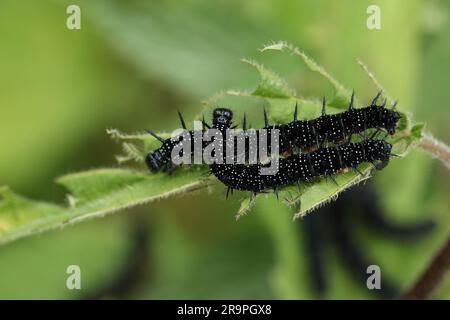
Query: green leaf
{"points": [[417, 131], [246, 205], [270, 84], [16, 211], [98, 192], [341, 94], [92, 194]]}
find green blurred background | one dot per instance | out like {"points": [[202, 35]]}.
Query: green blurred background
{"points": [[131, 66]]}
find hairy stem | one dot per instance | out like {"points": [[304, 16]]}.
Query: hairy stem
{"points": [[433, 275], [436, 148]]}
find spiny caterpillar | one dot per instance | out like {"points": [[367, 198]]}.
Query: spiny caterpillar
{"points": [[300, 134], [335, 128], [299, 168], [161, 157]]}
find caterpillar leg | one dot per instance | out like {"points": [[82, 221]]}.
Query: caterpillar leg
{"points": [[276, 191], [381, 165], [170, 168], [229, 192]]}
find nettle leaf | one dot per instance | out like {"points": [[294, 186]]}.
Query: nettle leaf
{"points": [[99, 192], [270, 84], [17, 211], [341, 94]]}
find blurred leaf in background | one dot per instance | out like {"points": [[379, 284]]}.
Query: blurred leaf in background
{"points": [[133, 64]]}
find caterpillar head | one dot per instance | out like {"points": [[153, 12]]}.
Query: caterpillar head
{"points": [[222, 118], [388, 119], [377, 150], [154, 161]]}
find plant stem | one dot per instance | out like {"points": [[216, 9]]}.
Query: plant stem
{"points": [[436, 148], [433, 275]]}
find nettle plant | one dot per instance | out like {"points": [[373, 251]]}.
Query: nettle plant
{"points": [[96, 193]]}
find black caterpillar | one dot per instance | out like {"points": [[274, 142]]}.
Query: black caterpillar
{"points": [[301, 134], [334, 128], [304, 167], [298, 168], [160, 159]]}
